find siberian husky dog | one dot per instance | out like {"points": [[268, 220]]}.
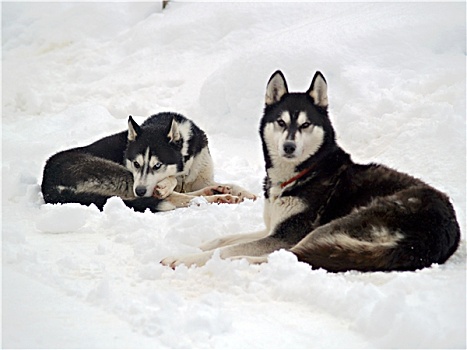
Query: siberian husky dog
{"points": [[329, 211], [160, 165]]}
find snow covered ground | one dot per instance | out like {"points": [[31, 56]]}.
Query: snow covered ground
{"points": [[74, 277]]}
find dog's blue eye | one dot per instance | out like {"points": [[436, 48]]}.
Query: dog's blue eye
{"points": [[281, 123], [136, 164], [157, 166]]}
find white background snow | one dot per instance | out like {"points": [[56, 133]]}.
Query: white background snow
{"points": [[74, 277]]}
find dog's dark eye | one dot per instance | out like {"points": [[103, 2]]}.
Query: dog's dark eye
{"points": [[136, 164], [281, 123], [157, 166], [305, 125]]}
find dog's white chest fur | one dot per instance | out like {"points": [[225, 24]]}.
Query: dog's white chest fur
{"points": [[278, 209]]}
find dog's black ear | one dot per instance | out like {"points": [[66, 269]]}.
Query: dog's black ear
{"points": [[319, 90], [276, 88], [174, 132], [133, 129]]}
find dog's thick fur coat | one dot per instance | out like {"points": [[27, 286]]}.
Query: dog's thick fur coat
{"points": [[161, 165], [329, 211]]}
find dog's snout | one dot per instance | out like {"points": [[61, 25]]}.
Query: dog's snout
{"points": [[140, 191], [289, 147]]}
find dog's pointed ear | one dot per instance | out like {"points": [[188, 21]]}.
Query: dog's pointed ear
{"points": [[276, 88], [133, 129], [319, 90], [174, 132]]}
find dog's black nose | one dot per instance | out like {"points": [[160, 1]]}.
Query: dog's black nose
{"points": [[140, 191], [289, 147]]}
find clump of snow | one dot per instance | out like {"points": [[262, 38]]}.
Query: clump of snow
{"points": [[72, 73], [64, 218]]}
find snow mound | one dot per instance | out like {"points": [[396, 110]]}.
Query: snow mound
{"points": [[64, 218]]}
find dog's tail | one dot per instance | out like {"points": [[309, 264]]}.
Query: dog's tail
{"points": [[345, 253]]}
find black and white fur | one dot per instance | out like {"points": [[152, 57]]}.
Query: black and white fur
{"points": [[148, 166], [327, 210]]}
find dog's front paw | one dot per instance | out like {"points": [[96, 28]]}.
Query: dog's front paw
{"points": [[223, 198], [215, 190], [244, 194], [213, 244], [187, 260], [165, 187]]}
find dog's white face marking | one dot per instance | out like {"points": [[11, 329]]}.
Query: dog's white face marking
{"points": [[311, 143], [285, 116], [292, 141], [147, 171], [302, 119]]}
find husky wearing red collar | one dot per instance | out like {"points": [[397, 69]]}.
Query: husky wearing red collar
{"points": [[327, 210]]}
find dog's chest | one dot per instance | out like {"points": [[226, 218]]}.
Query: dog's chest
{"points": [[280, 208]]}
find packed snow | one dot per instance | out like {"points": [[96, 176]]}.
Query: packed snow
{"points": [[75, 277]]}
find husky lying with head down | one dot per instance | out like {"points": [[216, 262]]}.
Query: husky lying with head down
{"points": [[327, 210], [161, 165]]}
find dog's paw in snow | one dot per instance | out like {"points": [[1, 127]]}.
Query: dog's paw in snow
{"points": [[223, 198], [188, 260], [218, 189]]}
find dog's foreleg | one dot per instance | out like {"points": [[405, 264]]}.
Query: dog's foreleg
{"points": [[242, 237], [255, 252], [233, 239]]}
